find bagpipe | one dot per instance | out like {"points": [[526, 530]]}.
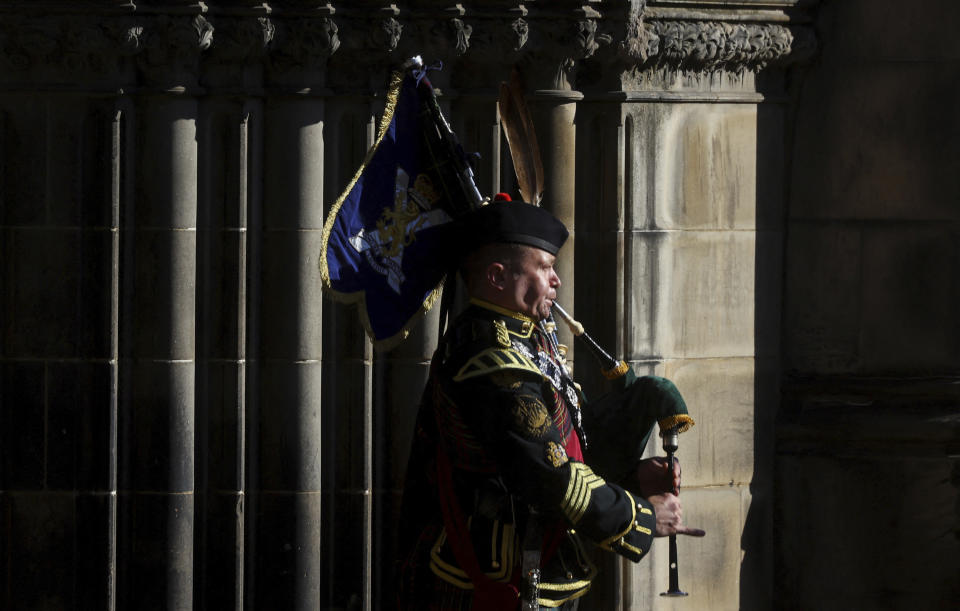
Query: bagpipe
{"points": [[670, 426]]}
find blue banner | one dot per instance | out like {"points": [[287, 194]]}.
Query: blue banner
{"points": [[385, 241]]}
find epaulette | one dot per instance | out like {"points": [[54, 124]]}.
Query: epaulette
{"points": [[495, 359]]}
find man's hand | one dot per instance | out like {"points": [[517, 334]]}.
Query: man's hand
{"points": [[670, 516], [652, 476]]}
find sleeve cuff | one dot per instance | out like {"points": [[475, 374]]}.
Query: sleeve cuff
{"points": [[636, 539]]}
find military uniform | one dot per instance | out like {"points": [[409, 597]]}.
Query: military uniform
{"points": [[499, 431]]}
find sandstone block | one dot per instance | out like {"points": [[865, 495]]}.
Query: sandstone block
{"points": [[157, 415], [890, 157], [290, 425], [164, 300], [293, 171], [288, 543], [155, 559], [395, 413], [693, 166], [719, 449], [292, 312], [910, 286], [700, 297], [347, 401], [822, 327]]}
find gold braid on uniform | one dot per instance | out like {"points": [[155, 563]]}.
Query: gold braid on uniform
{"points": [[583, 481], [494, 360]]}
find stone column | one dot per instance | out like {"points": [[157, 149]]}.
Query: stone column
{"points": [[561, 37], [554, 111], [347, 382], [158, 358], [230, 180], [288, 504]]}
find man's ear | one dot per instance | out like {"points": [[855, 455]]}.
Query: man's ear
{"points": [[496, 276]]}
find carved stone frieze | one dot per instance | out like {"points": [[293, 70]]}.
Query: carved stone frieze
{"points": [[68, 50], [171, 49], [563, 46], [706, 46], [26, 43]]}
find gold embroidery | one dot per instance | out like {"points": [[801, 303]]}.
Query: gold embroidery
{"points": [[395, 227], [531, 415], [583, 481], [507, 379], [501, 330], [424, 186], [556, 454]]}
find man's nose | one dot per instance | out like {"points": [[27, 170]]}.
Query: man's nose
{"points": [[555, 281]]}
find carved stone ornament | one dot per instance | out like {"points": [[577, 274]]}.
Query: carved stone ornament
{"points": [[640, 43], [26, 43], [242, 39], [172, 47], [385, 35], [452, 35], [584, 37], [520, 30], [304, 43], [76, 48]]}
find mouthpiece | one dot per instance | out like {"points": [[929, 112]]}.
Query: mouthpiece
{"points": [[610, 367]]}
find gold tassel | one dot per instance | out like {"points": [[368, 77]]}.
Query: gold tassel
{"points": [[682, 422]]}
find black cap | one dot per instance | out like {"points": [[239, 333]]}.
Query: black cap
{"points": [[514, 223]]}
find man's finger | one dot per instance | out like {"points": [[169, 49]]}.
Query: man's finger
{"points": [[693, 532]]}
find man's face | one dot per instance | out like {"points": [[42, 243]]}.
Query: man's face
{"points": [[532, 283]]}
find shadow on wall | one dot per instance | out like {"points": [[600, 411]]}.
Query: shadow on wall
{"points": [[756, 570]]}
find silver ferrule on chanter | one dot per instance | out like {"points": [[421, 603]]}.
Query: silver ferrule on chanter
{"points": [[611, 367]]}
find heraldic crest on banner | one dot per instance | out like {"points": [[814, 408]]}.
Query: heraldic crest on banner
{"points": [[398, 227], [386, 239]]}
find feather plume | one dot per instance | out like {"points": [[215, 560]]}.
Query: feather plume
{"points": [[521, 139]]}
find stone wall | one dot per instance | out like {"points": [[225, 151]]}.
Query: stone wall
{"points": [[867, 463], [187, 422]]}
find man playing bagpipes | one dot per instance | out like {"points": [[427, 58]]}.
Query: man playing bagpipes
{"points": [[503, 491]]}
